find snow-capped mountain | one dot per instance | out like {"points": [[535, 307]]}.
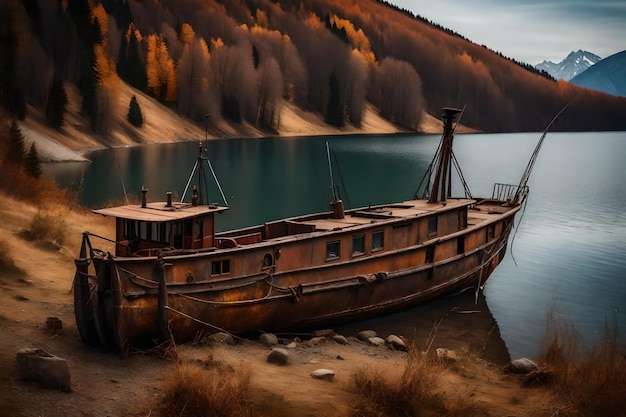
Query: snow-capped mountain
{"points": [[575, 63], [607, 75]]}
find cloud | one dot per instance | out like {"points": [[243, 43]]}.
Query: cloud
{"points": [[532, 31]]}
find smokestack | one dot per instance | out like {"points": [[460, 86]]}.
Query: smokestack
{"points": [[169, 199], [144, 191]]}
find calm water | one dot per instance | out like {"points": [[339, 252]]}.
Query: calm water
{"points": [[570, 245]]}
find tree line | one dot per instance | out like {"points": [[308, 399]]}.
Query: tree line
{"points": [[240, 60]]}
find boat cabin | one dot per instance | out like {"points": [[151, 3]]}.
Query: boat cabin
{"points": [[144, 229]]}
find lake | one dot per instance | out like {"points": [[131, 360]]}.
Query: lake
{"points": [[569, 247]]}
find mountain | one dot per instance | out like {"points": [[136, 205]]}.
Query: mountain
{"points": [[575, 63], [607, 76]]}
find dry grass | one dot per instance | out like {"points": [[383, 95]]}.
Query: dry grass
{"points": [[591, 381], [46, 227], [206, 389], [414, 394]]}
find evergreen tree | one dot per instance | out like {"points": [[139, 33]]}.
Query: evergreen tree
{"points": [[57, 102], [32, 164], [334, 110], [136, 65], [15, 147], [134, 112]]}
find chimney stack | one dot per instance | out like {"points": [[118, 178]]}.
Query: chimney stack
{"points": [[169, 199], [144, 191]]}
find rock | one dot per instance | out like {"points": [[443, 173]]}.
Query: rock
{"points": [[396, 342], [366, 335], [48, 370], [446, 355], [268, 339], [376, 341], [54, 325], [278, 356], [222, 337], [316, 341], [324, 333], [326, 374], [340, 339], [291, 345], [520, 366]]}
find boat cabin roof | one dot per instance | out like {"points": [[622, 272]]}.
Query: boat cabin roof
{"points": [[406, 209], [159, 211]]}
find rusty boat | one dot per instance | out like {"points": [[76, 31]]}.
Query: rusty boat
{"points": [[173, 278]]}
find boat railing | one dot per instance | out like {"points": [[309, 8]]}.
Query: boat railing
{"points": [[508, 192]]}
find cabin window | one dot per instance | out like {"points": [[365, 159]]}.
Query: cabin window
{"points": [[198, 228], [178, 235], [432, 227], [189, 228], [268, 260], [378, 240], [159, 232], [460, 245], [220, 267], [130, 229], [332, 250], [430, 254], [143, 231], [358, 245]]}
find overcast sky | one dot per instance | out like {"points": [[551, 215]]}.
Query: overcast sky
{"points": [[531, 30]]}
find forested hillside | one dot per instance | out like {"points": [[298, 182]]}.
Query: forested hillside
{"points": [[239, 60]]}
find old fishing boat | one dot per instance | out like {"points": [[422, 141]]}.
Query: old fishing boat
{"points": [[171, 276]]}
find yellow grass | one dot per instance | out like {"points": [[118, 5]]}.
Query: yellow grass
{"points": [[206, 389]]}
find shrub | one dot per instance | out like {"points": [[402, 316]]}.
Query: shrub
{"points": [[194, 390], [591, 381], [45, 227]]}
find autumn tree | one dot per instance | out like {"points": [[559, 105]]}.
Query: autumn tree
{"points": [[398, 93], [160, 70], [134, 115], [269, 91], [193, 75], [57, 102]]}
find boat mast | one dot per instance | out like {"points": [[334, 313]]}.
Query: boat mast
{"points": [[442, 183]]}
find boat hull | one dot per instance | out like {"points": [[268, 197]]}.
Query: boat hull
{"points": [[136, 302]]}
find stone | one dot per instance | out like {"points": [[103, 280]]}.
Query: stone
{"points": [[54, 325], [316, 341], [278, 356], [48, 370], [340, 339], [520, 366], [396, 342], [446, 355], [268, 339], [326, 374], [366, 335], [222, 337], [323, 333], [376, 341], [291, 345]]}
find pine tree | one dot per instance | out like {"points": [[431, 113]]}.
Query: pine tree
{"points": [[335, 109], [134, 112], [15, 149], [57, 102], [32, 164]]}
